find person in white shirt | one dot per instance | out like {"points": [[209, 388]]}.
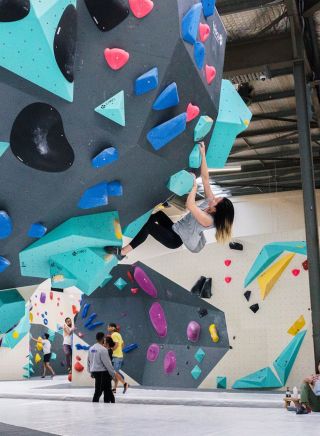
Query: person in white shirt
{"points": [[67, 342], [46, 349]]}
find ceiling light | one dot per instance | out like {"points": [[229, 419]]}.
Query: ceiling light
{"points": [[230, 169]]}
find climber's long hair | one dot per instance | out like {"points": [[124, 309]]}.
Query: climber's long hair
{"points": [[223, 220]]}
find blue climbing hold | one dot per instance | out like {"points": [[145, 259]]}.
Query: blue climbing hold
{"points": [[85, 310], [4, 263], [3, 147], [90, 319], [129, 348], [190, 24], [95, 196], [37, 230], [147, 82], [82, 347], [169, 97], [95, 325], [161, 135], [106, 157], [5, 225], [208, 7], [115, 189], [199, 54]]}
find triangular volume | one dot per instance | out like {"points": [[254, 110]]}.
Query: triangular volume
{"points": [[114, 109], [169, 97], [264, 378], [190, 24], [284, 362], [3, 147]]}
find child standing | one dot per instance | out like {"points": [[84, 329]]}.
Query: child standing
{"points": [[46, 349]]}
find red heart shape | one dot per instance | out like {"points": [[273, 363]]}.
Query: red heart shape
{"points": [[116, 58], [130, 276], [210, 74], [204, 32], [227, 279], [78, 366], [78, 358], [134, 291], [192, 112], [305, 265], [227, 262], [141, 8], [295, 272]]}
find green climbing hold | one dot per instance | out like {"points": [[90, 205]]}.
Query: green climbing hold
{"points": [[221, 382], [196, 372], [181, 183], [203, 127], [199, 355], [264, 378], [114, 109], [120, 283], [195, 158]]}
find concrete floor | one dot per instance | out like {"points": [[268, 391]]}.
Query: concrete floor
{"points": [[82, 419]]}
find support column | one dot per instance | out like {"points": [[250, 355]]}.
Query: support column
{"points": [[309, 200]]}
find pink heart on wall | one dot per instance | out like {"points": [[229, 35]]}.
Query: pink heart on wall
{"points": [[295, 272], [204, 32], [210, 74], [227, 279], [227, 262], [192, 112], [141, 8]]}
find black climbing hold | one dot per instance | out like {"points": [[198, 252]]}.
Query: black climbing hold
{"points": [[247, 295], [37, 139], [236, 246], [254, 308], [231, 348], [202, 312], [65, 42], [14, 10], [107, 14], [202, 287], [234, 338]]}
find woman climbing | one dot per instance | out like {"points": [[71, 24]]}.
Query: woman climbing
{"points": [[214, 212]]}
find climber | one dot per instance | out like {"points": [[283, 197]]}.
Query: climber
{"points": [[214, 212], [46, 348], [68, 330]]}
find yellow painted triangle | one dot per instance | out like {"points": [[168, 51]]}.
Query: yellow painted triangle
{"points": [[297, 326], [270, 276]]}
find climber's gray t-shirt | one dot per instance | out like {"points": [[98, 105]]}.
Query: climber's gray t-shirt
{"points": [[191, 232]]}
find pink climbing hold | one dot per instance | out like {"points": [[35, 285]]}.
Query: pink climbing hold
{"points": [[227, 279], [204, 32], [153, 352], [144, 282], [193, 331], [192, 112], [141, 8], [170, 362], [158, 319], [227, 262], [295, 272], [210, 74], [116, 58]]}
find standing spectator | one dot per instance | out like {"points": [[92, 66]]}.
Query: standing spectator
{"points": [[109, 344], [117, 353], [67, 342]]}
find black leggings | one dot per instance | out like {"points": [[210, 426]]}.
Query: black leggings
{"points": [[159, 225]]}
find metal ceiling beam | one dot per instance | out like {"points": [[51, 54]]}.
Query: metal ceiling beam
{"points": [[311, 7], [269, 96], [276, 116], [258, 54], [284, 154], [227, 7], [268, 131]]}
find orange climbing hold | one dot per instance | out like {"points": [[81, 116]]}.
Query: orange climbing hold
{"points": [[204, 32], [210, 74], [116, 58], [192, 112], [74, 309], [141, 8]]}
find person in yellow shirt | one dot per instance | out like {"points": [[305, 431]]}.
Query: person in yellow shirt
{"points": [[117, 353]]}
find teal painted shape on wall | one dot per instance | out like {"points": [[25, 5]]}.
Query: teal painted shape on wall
{"points": [[33, 37], [233, 118], [261, 379], [11, 339], [285, 361], [94, 231], [3, 147], [221, 382], [12, 309], [132, 229], [269, 253]]}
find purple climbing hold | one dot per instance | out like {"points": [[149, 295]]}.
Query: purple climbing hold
{"points": [[43, 297], [153, 352], [170, 362], [158, 319], [144, 282], [193, 331]]}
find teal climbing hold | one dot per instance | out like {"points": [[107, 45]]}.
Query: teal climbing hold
{"points": [[196, 372], [233, 118], [269, 253], [120, 283], [12, 309], [284, 362], [169, 97], [199, 355], [132, 229], [161, 135], [3, 147], [51, 334], [190, 24], [94, 231], [106, 281], [195, 158], [53, 356], [147, 82], [264, 378], [203, 127], [181, 183], [14, 336], [114, 109], [221, 382], [27, 47]]}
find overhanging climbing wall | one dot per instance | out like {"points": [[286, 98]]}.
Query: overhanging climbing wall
{"points": [[55, 71]]}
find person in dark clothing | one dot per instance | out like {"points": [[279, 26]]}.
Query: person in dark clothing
{"points": [[110, 344]]}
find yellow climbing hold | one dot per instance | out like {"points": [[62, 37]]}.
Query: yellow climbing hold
{"points": [[213, 333], [37, 358], [57, 278], [270, 277], [246, 122], [15, 334], [117, 229], [297, 326], [30, 316], [39, 346]]}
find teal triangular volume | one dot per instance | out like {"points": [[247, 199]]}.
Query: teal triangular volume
{"points": [[114, 109], [284, 362], [27, 47], [133, 228], [3, 147], [264, 378]]}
